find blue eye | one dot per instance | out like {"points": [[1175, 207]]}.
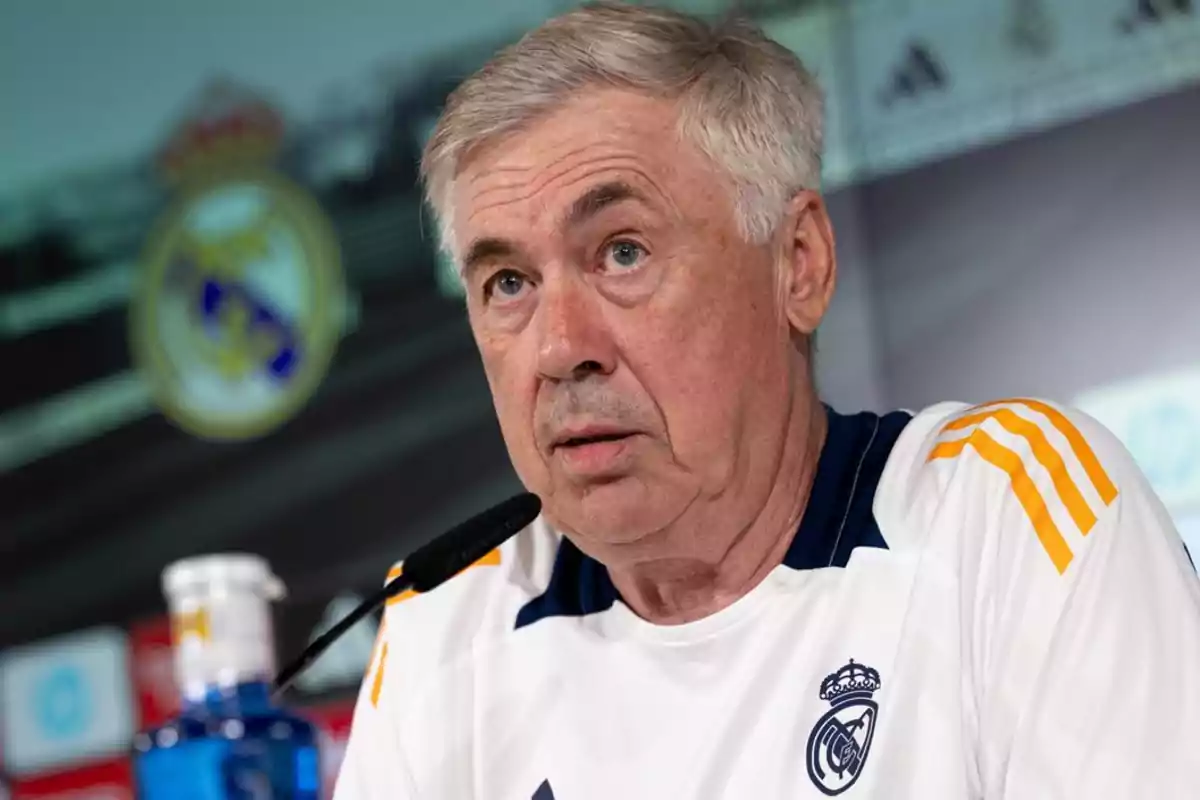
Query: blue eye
{"points": [[505, 284], [624, 254]]}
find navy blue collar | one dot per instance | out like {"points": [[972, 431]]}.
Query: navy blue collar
{"points": [[837, 519]]}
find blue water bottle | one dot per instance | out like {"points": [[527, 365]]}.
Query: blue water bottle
{"points": [[231, 740]]}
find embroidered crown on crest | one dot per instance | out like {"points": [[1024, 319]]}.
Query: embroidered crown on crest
{"points": [[852, 679]]}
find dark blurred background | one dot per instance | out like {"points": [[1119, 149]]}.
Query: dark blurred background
{"points": [[1015, 185]]}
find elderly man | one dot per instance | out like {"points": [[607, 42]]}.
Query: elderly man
{"points": [[735, 591]]}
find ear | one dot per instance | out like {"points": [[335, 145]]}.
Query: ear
{"points": [[808, 262]]}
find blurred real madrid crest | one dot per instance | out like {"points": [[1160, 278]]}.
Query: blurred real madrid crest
{"points": [[240, 298]]}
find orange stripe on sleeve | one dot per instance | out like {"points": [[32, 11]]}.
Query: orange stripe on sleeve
{"points": [[377, 684], [492, 559], [1064, 485], [376, 648], [1023, 487], [1079, 446]]}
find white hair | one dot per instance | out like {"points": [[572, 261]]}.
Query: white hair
{"points": [[745, 100]]}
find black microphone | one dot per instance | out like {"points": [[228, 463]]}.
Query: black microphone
{"points": [[428, 567]]}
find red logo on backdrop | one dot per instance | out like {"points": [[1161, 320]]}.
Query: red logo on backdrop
{"points": [[333, 722], [110, 780], [154, 672]]}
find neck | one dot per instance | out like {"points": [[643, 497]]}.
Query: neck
{"points": [[679, 587]]}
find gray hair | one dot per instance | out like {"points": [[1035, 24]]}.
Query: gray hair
{"points": [[745, 100]]}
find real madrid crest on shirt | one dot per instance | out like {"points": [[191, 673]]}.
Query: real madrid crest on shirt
{"points": [[841, 739], [240, 299]]}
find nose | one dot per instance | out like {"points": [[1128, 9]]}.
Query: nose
{"points": [[574, 339]]}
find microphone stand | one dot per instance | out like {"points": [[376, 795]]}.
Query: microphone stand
{"points": [[428, 567], [322, 643]]}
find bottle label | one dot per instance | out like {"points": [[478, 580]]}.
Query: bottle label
{"points": [[221, 641], [214, 769]]}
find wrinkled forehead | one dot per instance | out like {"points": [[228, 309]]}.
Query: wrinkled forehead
{"points": [[530, 179]]}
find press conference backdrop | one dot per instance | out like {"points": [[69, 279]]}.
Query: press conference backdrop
{"points": [[1012, 186]]}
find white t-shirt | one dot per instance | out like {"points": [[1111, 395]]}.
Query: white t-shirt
{"points": [[980, 602]]}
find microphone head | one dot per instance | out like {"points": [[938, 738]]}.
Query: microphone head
{"points": [[466, 543]]}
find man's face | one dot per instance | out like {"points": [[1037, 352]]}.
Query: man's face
{"points": [[638, 349]]}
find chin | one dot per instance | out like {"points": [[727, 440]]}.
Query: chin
{"points": [[610, 515]]}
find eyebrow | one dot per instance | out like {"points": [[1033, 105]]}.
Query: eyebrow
{"points": [[486, 249], [598, 198], [586, 206]]}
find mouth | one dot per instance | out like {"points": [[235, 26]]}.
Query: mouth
{"points": [[593, 453], [585, 438]]}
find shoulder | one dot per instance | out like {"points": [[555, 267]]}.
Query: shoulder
{"points": [[478, 605], [1023, 463]]}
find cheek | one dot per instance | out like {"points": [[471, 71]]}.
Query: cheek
{"points": [[744, 334], [715, 361]]}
